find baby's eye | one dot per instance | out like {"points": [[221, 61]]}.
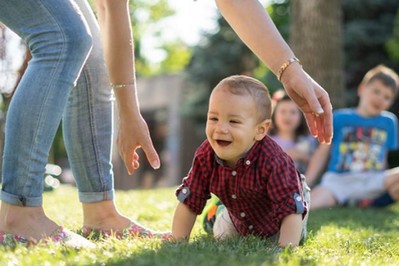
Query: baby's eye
{"points": [[234, 121], [213, 119]]}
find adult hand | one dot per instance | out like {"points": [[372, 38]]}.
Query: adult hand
{"points": [[133, 134], [312, 99]]}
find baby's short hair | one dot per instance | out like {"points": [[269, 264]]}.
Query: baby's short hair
{"points": [[240, 85], [384, 74]]}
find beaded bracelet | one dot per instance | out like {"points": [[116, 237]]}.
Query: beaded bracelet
{"points": [[285, 65], [119, 86]]}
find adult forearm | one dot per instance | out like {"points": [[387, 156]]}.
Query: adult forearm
{"points": [[117, 39], [256, 29]]}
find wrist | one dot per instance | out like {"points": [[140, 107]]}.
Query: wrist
{"points": [[292, 73], [287, 67]]}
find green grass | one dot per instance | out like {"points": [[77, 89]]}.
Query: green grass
{"points": [[344, 236]]}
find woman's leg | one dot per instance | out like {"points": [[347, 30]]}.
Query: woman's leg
{"points": [[87, 128], [59, 41]]}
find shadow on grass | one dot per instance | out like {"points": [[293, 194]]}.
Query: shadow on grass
{"points": [[378, 219], [206, 251]]}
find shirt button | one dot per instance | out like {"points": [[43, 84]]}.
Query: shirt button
{"points": [[247, 162], [234, 173], [233, 196], [251, 227], [184, 190], [242, 214]]}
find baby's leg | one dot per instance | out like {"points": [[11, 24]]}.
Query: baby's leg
{"points": [[223, 227], [321, 198]]}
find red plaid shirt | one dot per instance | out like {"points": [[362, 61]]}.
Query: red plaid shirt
{"points": [[264, 187]]}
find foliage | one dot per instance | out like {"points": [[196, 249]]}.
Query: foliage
{"points": [[368, 31], [392, 44], [178, 56], [221, 54], [147, 17], [340, 236], [280, 13]]}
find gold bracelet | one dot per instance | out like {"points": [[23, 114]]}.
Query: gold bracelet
{"points": [[119, 86], [286, 65]]}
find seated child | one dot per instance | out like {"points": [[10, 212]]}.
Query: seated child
{"points": [[262, 191], [357, 173], [290, 131]]}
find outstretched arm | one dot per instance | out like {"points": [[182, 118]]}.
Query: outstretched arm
{"points": [[254, 26], [117, 39], [183, 222]]}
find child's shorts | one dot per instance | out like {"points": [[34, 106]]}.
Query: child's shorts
{"points": [[354, 186]]}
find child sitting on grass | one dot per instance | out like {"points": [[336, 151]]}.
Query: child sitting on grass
{"points": [[289, 130], [262, 191], [357, 173]]}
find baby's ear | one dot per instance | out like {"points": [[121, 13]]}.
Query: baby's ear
{"points": [[262, 128]]}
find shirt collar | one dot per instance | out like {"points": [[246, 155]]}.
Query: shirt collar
{"points": [[247, 159]]}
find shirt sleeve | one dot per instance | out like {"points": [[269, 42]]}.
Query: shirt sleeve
{"points": [[285, 188], [392, 133], [194, 190]]}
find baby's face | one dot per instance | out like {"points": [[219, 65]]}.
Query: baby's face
{"points": [[375, 97], [232, 124]]}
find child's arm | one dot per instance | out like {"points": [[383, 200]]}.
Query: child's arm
{"points": [[317, 163], [290, 231], [183, 222], [298, 155]]}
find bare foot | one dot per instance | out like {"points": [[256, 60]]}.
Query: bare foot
{"points": [[28, 222], [31, 224]]}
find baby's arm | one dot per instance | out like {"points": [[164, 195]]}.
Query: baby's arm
{"points": [[183, 222], [290, 230]]}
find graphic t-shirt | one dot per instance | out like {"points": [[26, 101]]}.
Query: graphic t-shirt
{"points": [[361, 143]]}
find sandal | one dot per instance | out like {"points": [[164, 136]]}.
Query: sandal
{"points": [[60, 235], [133, 230]]}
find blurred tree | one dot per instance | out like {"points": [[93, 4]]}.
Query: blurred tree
{"points": [[280, 12], [392, 46], [178, 56], [317, 39], [147, 17], [368, 39], [218, 55]]}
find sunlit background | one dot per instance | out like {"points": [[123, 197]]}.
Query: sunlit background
{"points": [[184, 47]]}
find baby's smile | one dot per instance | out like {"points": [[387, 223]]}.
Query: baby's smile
{"points": [[223, 143]]}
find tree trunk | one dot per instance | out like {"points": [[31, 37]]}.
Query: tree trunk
{"points": [[317, 40]]}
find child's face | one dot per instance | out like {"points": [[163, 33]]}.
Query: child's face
{"points": [[232, 125], [375, 97], [287, 116]]}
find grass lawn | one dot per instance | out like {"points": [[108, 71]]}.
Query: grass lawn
{"points": [[345, 236]]}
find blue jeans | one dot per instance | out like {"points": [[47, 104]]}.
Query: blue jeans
{"points": [[59, 38]]}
